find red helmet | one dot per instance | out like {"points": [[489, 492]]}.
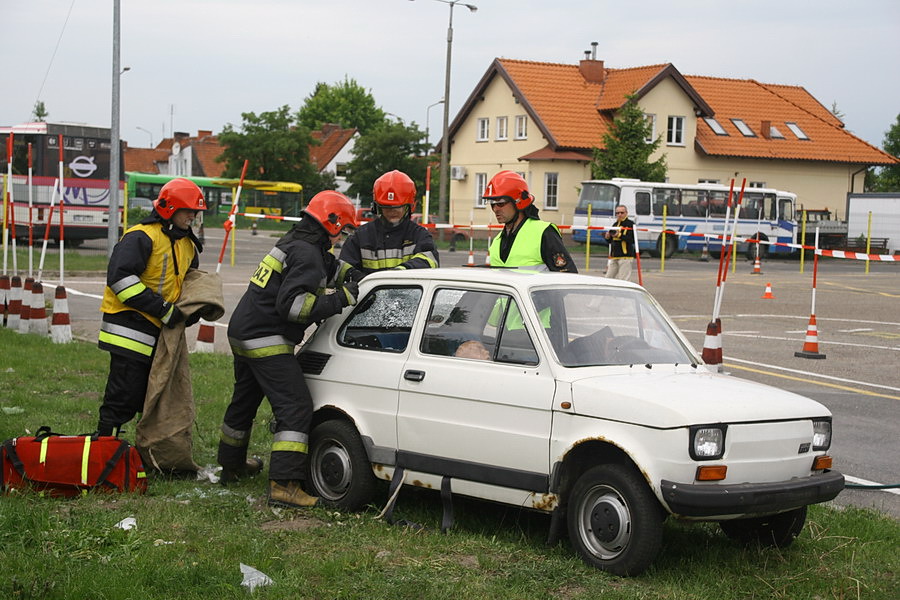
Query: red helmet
{"points": [[509, 186], [394, 188], [333, 211], [177, 194]]}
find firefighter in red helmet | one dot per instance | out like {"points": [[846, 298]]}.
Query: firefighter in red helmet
{"points": [[144, 279], [525, 241], [299, 282], [391, 240]]}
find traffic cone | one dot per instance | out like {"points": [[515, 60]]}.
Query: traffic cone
{"points": [[811, 345], [4, 297], [756, 267], [768, 295], [712, 345], [471, 262], [38, 322], [14, 305], [60, 325], [206, 337], [704, 254], [25, 315]]}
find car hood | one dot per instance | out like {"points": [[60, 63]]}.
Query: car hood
{"points": [[667, 396]]}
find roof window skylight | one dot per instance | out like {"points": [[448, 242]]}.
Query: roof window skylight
{"points": [[743, 128], [775, 133], [715, 126], [795, 129]]}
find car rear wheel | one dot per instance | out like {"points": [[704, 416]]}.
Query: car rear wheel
{"points": [[774, 530], [614, 520], [339, 469]]}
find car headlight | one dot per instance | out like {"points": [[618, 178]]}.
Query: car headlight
{"points": [[707, 442], [821, 434]]}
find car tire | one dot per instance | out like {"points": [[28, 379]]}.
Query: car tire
{"points": [[339, 469], [778, 530], [671, 245], [614, 520]]}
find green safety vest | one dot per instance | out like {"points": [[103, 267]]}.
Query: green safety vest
{"points": [[526, 248]]}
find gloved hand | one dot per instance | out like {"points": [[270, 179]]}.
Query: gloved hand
{"points": [[192, 320], [355, 275], [174, 317], [348, 293]]}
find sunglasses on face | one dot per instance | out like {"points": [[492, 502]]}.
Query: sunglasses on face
{"points": [[499, 202]]}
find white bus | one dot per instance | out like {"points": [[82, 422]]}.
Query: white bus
{"points": [[700, 208]]}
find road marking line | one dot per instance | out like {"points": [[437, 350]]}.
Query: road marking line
{"points": [[859, 481], [814, 382]]}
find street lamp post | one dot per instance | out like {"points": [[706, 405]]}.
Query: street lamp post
{"points": [[445, 141], [112, 236], [148, 132], [428, 122]]}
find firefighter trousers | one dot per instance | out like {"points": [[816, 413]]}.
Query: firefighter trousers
{"points": [[279, 379]]}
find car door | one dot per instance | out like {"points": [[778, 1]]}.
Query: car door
{"points": [[475, 395]]}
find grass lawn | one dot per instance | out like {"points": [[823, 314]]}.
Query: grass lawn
{"points": [[192, 536]]}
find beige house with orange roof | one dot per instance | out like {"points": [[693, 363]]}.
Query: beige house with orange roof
{"points": [[544, 119]]}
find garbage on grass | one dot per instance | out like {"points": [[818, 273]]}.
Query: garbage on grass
{"points": [[254, 578], [127, 523]]}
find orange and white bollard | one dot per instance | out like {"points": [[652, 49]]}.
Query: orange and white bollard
{"points": [[25, 315], [38, 323], [206, 337], [60, 324], [4, 297], [712, 345], [811, 345], [14, 304]]}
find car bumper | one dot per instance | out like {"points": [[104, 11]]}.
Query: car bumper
{"points": [[691, 500]]}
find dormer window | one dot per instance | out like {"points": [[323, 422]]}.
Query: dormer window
{"points": [[715, 126], [743, 128], [795, 129]]}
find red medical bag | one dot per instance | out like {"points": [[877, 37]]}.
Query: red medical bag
{"points": [[69, 465]]}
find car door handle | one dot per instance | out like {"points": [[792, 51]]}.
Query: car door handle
{"points": [[414, 375]]}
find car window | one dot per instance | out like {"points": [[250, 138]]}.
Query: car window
{"points": [[477, 325], [592, 327], [382, 320]]}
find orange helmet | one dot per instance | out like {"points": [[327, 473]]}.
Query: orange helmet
{"points": [[333, 211], [507, 185], [177, 194], [394, 188]]}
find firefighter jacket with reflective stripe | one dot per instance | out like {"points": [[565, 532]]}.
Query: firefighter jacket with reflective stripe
{"points": [[534, 244], [378, 245], [288, 291], [143, 281], [621, 241]]}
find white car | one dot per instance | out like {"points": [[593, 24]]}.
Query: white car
{"points": [[568, 394]]}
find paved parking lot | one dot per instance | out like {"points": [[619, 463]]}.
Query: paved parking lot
{"points": [[858, 323]]}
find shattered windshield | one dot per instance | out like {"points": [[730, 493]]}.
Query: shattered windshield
{"points": [[591, 326]]}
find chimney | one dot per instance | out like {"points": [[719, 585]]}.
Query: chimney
{"points": [[203, 133], [765, 129], [594, 50], [592, 71]]}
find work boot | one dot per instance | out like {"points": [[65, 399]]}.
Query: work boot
{"points": [[290, 495], [252, 466]]}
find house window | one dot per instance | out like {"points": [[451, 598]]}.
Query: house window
{"points": [[675, 134], [743, 128], [775, 133], [757, 184], [551, 191], [480, 183], [502, 128], [340, 169], [521, 127], [651, 123], [715, 126], [716, 181], [483, 130], [795, 129]]}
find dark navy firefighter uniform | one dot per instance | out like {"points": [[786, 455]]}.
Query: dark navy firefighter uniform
{"points": [[286, 294], [378, 245]]}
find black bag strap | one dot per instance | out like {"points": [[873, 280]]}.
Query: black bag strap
{"points": [[43, 432], [111, 464]]}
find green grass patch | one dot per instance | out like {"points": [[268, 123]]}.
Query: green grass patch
{"points": [[192, 536]]}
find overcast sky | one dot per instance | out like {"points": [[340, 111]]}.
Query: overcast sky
{"points": [[198, 64]]}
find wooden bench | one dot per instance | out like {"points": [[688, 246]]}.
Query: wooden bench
{"points": [[876, 245]]}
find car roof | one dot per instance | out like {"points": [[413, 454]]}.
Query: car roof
{"points": [[522, 279]]}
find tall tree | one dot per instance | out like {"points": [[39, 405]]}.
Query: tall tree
{"points": [[626, 152], [39, 113], [347, 104], [389, 146], [277, 150], [887, 179]]}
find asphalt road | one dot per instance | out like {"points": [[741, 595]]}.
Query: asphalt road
{"points": [[858, 331]]}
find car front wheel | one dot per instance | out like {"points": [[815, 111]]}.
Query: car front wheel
{"points": [[774, 530], [614, 520], [339, 469]]}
